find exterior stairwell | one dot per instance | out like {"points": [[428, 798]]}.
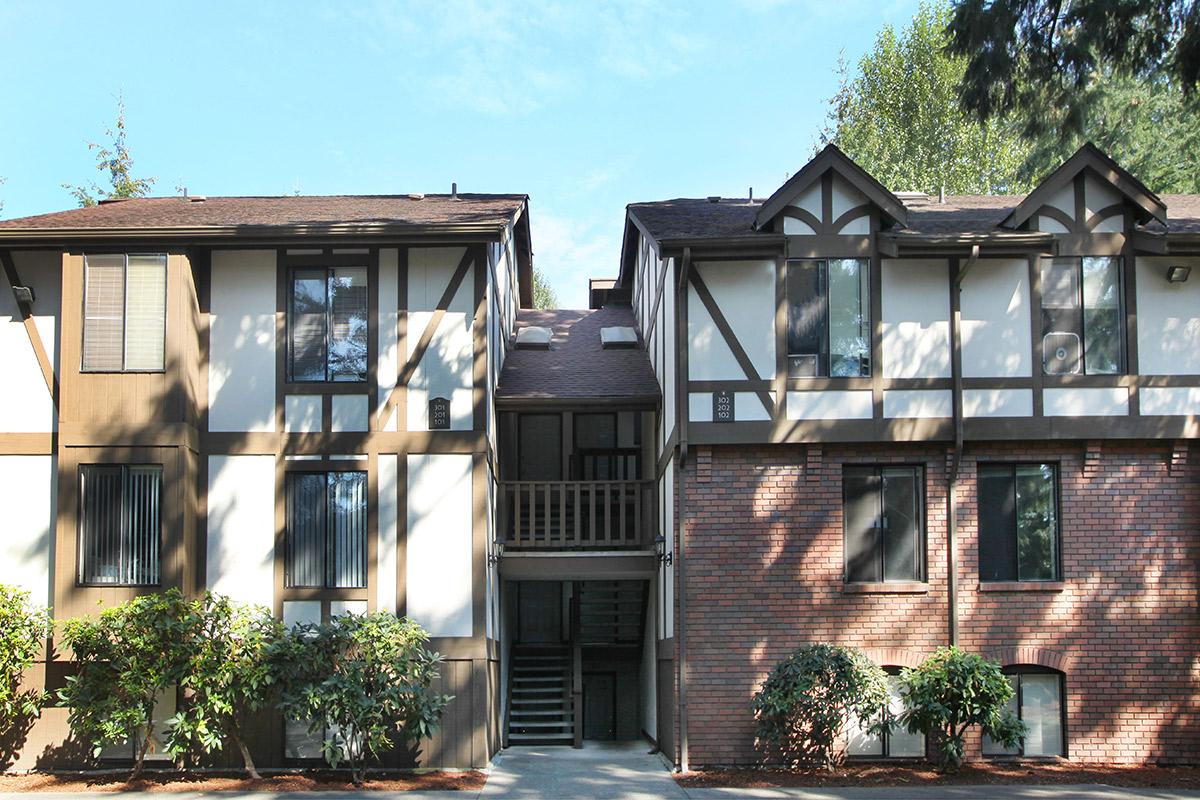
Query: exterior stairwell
{"points": [[611, 612], [540, 703]]}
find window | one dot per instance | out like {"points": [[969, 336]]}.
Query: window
{"points": [[1018, 522], [1082, 330], [124, 312], [883, 514], [327, 324], [1037, 700], [326, 530], [119, 525], [894, 743], [829, 330]]}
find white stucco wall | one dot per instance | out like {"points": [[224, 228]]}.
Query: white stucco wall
{"points": [[1168, 318], [830, 405], [445, 371], [25, 405], [746, 407], [918, 403], [439, 555], [388, 466], [745, 293], [241, 369], [997, 402], [915, 296], [27, 496], [241, 528], [1159, 401], [1107, 402], [302, 413], [349, 412], [388, 359], [995, 319]]}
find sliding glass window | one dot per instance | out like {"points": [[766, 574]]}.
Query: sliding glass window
{"points": [[829, 330], [326, 537], [327, 325], [120, 525], [1082, 327]]}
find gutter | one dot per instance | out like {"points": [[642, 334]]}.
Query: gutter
{"points": [[240, 233]]}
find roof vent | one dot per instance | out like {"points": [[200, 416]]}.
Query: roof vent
{"points": [[714, 198], [196, 198], [622, 336], [533, 338], [416, 196], [110, 200], [911, 199]]}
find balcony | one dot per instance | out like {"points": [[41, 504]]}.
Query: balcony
{"points": [[577, 515]]}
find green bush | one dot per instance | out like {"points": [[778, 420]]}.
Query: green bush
{"points": [[23, 632], [807, 700], [356, 680], [126, 659], [227, 677], [951, 691]]}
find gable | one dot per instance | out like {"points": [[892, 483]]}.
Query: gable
{"points": [[830, 195], [1088, 193]]}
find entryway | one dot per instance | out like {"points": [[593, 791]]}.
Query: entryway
{"points": [[598, 771]]}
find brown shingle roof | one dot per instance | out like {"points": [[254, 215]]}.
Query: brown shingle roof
{"points": [[576, 367], [485, 210], [701, 219]]}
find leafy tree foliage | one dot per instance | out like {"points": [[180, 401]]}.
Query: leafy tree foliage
{"points": [[900, 118], [806, 701], [228, 676], [356, 681], [543, 293], [128, 657], [118, 163], [1050, 59], [23, 632], [951, 691]]}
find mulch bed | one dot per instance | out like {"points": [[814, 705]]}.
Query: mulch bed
{"points": [[918, 775], [230, 782]]}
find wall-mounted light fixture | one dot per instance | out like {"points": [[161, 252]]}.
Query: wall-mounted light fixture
{"points": [[660, 548], [497, 554], [24, 295], [1178, 273]]}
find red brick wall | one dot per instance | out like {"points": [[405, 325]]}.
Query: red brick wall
{"points": [[765, 575]]}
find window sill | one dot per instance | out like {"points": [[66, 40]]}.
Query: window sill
{"points": [[908, 587], [1022, 586]]}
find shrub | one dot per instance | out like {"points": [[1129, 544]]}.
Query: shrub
{"points": [[127, 658], [356, 680], [951, 691], [23, 632], [227, 676], [808, 698]]}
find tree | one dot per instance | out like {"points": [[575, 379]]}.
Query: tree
{"points": [[23, 632], [543, 293], [118, 163], [899, 117], [228, 676], [807, 700], [357, 680], [127, 659], [951, 691], [1050, 59]]}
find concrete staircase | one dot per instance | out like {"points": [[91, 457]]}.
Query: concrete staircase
{"points": [[540, 697]]}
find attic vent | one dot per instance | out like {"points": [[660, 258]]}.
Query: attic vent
{"points": [[533, 338], [714, 198], [196, 198], [911, 199], [416, 196], [622, 336]]}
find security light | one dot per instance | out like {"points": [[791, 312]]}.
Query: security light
{"points": [[1178, 273], [660, 549]]}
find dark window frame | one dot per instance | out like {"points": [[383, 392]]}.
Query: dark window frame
{"points": [[885, 736], [620, 457], [1018, 670], [329, 269], [83, 314], [825, 352], [921, 544], [365, 562], [1012, 466], [81, 532], [1081, 322]]}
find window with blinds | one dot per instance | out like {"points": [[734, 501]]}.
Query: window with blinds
{"points": [[124, 312], [326, 537], [327, 324], [120, 524]]}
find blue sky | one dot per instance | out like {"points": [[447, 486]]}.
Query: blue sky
{"points": [[584, 107]]}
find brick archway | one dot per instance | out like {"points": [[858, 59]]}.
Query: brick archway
{"points": [[1036, 656], [895, 656]]}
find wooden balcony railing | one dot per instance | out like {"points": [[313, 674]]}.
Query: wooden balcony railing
{"points": [[577, 515]]}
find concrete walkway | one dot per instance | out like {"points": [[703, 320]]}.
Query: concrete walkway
{"points": [[600, 771]]}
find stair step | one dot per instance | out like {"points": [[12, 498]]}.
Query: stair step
{"points": [[525, 690], [566, 723], [535, 701], [546, 679], [566, 738], [550, 713]]}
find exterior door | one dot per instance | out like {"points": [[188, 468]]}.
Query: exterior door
{"points": [[599, 706]]}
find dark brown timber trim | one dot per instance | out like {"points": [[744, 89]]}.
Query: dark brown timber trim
{"points": [[735, 347], [35, 338]]}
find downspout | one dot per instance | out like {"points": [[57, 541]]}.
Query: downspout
{"points": [[681, 421], [958, 273]]}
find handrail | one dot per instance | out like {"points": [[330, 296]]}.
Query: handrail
{"points": [[576, 669], [571, 515]]}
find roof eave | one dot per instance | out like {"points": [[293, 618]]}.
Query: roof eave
{"points": [[247, 232]]}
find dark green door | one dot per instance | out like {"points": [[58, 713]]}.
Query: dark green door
{"points": [[599, 706]]}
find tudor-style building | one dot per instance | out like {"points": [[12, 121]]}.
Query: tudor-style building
{"points": [[841, 414], [899, 422]]}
